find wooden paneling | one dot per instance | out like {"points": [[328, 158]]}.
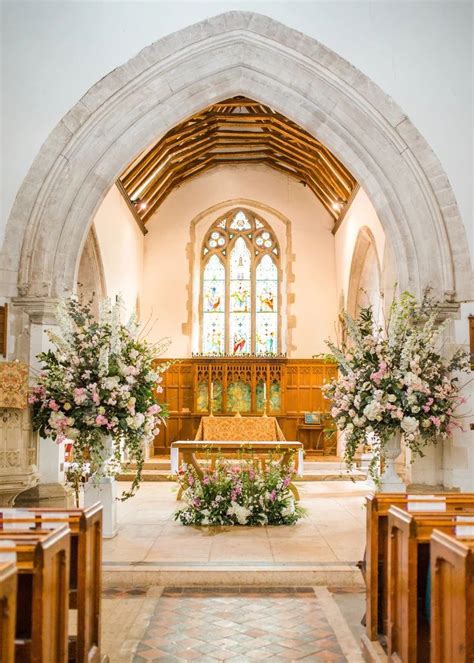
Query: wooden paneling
{"points": [[408, 559], [452, 598], [8, 589], [42, 596], [300, 382], [377, 509]]}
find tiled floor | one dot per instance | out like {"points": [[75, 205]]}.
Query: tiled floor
{"points": [[235, 624], [332, 532]]}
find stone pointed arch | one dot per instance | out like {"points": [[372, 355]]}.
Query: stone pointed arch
{"points": [[365, 271], [234, 53]]}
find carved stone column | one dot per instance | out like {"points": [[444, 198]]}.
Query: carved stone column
{"points": [[18, 454], [31, 318], [18, 444]]}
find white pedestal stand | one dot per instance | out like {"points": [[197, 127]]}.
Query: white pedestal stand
{"points": [[390, 482], [104, 492]]}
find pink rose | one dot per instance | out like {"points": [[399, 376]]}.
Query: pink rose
{"points": [[53, 405], [100, 420]]}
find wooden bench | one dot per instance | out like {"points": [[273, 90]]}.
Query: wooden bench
{"points": [[85, 577], [8, 588], [408, 564], [452, 598], [377, 548], [42, 597]]}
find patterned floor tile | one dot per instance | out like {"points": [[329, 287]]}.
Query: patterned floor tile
{"points": [[241, 624]]}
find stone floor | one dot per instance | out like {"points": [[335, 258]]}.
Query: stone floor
{"points": [[332, 532], [235, 616], [236, 624]]}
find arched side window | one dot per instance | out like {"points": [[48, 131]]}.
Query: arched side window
{"points": [[240, 263]]}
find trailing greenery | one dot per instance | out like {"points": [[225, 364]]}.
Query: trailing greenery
{"points": [[97, 389], [395, 378]]}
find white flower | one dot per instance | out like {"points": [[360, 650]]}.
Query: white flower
{"points": [[111, 382], [372, 410], [288, 510], [139, 419], [409, 424], [240, 512], [413, 381]]}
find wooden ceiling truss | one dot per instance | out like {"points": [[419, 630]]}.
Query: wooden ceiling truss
{"points": [[236, 131]]}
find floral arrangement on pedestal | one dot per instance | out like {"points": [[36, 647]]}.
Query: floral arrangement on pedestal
{"points": [[97, 389], [238, 493], [395, 379]]}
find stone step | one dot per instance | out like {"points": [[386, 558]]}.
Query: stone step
{"points": [[221, 575], [311, 474], [311, 463]]}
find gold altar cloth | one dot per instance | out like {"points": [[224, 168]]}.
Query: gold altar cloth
{"points": [[251, 429]]}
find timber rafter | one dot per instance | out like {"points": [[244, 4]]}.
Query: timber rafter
{"points": [[235, 131]]}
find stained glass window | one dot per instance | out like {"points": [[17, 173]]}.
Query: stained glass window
{"points": [[240, 287], [267, 304], [213, 327]]}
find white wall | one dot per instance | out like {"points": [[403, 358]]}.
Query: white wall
{"points": [[361, 213], [418, 52], [121, 247], [168, 255]]}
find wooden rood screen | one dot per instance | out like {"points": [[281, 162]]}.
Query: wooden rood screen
{"points": [[292, 387]]}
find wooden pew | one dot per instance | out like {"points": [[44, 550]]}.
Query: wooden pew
{"points": [[452, 598], [408, 564], [42, 597], [378, 505], [85, 577], [8, 588]]}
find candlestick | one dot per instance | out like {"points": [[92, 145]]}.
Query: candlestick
{"points": [[264, 399], [211, 398]]}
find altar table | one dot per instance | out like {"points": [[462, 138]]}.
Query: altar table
{"points": [[247, 429], [189, 448]]}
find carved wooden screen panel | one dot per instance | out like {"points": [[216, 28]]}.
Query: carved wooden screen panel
{"points": [[304, 379], [292, 387]]}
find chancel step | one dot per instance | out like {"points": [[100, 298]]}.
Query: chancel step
{"points": [[159, 470]]}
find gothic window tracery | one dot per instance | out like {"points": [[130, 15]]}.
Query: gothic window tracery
{"points": [[240, 295]]}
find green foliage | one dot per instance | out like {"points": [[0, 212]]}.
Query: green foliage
{"points": [[97, 389]]}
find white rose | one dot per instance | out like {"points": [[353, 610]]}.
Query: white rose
{"points": [[409, 424], [139, 419], [372, 410]]}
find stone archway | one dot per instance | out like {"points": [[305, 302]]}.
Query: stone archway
{"points": [[179, 75]]}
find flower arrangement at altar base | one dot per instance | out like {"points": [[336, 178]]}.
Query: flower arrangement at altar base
{"points": [[395, 378], [238, 493], [97, 388]]}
